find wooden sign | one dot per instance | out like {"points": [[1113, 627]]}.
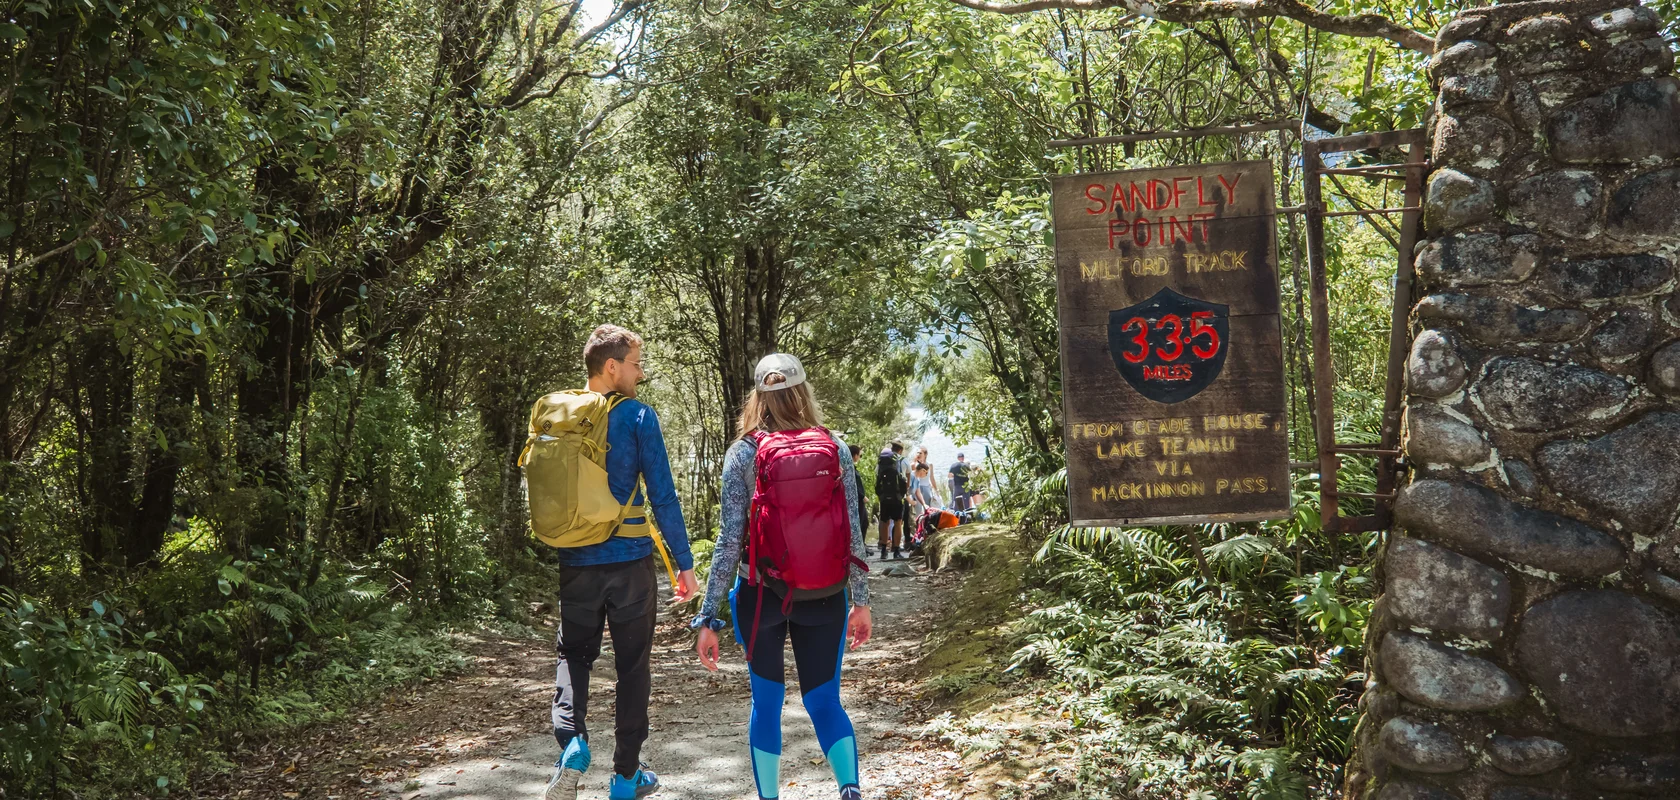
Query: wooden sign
{"points": [[1172, 346]]}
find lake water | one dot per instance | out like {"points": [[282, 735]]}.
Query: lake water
{"points": [[942, 451]]}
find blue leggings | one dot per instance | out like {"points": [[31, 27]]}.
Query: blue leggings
{"points": [[817, 629]]}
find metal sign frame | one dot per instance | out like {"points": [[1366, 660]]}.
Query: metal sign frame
{"points": [[1387, 449]]}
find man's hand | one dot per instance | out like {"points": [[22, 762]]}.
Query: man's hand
{"points": [[860, 625], [707, 648], [686, 587]]}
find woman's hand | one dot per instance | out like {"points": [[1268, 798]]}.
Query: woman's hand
{"points": [[707, 648], [860, 625]]}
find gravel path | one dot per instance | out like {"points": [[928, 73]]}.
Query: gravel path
{"points": [[484, 735]]}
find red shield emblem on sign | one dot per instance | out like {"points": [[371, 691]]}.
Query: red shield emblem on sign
{"points": [[1169, 347]]}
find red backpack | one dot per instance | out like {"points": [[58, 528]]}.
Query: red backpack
{"points": [[799, 530]]}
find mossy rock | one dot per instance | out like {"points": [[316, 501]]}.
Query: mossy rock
{"points": [[965, 654], [970, 546]]}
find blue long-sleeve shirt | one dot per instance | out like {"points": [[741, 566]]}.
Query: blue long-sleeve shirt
{"points": [[636, 448]]}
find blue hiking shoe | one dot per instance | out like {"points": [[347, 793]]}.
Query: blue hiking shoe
{"points": [[571, 766], [644, 784], [851, 792]]}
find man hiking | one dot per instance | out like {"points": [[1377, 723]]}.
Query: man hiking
{"points": [[892, 491], [612, 584], [862, 496], [959, 484]]}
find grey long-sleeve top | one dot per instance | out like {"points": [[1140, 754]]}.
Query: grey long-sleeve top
{"points": [[739, 480], [921, 490]]}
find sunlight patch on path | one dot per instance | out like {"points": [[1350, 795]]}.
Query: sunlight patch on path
{"points": [[699, 740]]}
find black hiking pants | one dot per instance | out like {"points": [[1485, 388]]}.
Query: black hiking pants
{"points": [[622, 598]]}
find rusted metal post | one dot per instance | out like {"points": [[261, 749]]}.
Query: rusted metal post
{"points": [[1192, 133], [1398, 335], [1323, 375]]}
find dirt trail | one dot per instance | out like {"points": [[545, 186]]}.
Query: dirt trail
{"points": [[485, 735]]}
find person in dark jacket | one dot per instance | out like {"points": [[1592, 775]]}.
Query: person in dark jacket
{"points": [[892, 490], [863, 499]]}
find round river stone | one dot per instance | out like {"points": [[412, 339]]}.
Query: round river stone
{"points": [[1526, 755], [1401, 790], [1433, 587], [1567, 202], [1640, 773], [1631, 122], [1607, 662], [1626, 333], [1435, 368], [1422, 746], [1439, 676], [1477, 520], [1665, 368], [1529, 395], [1435, 437], [1455, 200], [1628, 473], [1495, 321], [1645, 205]]}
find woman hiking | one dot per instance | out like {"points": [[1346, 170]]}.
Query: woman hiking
{"points": [[802, 579]]}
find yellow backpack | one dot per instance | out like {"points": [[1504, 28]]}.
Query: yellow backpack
{"points": [[565, 461]]}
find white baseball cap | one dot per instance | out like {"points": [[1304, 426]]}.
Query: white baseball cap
{"points": [[781, 364]]}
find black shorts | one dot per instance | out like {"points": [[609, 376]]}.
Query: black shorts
{"points": [[891, 507]]}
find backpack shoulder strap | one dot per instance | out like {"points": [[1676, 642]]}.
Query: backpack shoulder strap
{"points": [[612, 400], [757, 438]]}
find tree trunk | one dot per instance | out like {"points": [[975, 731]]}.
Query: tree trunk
{"points": [[276, 358], [268, 396], [107, 380], [173, 417], [748, 320]]}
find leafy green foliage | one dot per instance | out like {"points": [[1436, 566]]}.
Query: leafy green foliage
{"points": [[80, 681], [109, 699], [1237, 680]]}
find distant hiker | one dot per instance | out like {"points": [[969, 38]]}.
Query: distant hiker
{"points": [[892, 489], [960, 473], [907, 468], [802, 570], [922, 494], [862, 497], [606, 547]]}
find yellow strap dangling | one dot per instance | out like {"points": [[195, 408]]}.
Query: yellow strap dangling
{"points": [[664, 554], [657, 535]]}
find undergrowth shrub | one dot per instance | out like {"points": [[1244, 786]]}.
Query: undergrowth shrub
{"points": [[136, 693], [84, 683], [1233, 675]]}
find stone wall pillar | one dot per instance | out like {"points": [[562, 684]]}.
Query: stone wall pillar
{"points": [[1527, 643]]}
